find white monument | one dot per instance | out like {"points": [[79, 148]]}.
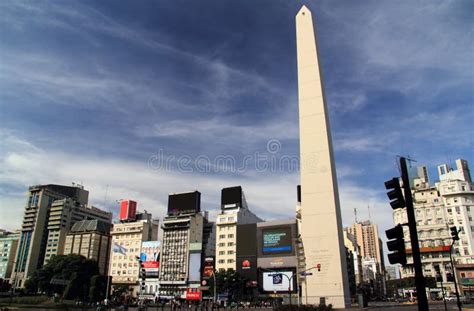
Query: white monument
{"points": [[321, 225]]}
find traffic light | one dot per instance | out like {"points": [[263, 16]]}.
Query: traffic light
{"points": [[142, 275], [396, 244], [454, 233], [395, 194]]}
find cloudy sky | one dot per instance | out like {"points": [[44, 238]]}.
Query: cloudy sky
{"points": [[140, 99]]}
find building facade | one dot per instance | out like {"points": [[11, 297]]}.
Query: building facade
{"points": [[63, 215], [129, 235], [449, 202], [8, 244], [34, 235], [234, 211], [91, 239], [185, 233]]}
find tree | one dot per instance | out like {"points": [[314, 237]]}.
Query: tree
{"points": [[230, 282], [74, 270]]}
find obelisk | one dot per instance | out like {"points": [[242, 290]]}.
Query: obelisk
{"points": [[321, 225]]}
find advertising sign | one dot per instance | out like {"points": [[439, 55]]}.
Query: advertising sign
{"points": [[277, 241], [128, 210], [277, 281], [195, 267], [184, 202], [150, 257], [208, 267], [193, 294], [231, 197]]}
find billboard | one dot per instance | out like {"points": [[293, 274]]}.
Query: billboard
{"points": [[195, 267], [150, 257], [278, 281], [277, 241], [208, 267], [247, 251], [231, 197], [184, 202], [128, 210]]}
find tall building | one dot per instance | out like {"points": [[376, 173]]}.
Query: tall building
{"points": [[449, 202], [129, 235], [182, 244], [8, 246], [91, 239], [43, 229], [321, 225], [352, 246], [366, 236], [63, 215], [234, 212], [391, 272]]}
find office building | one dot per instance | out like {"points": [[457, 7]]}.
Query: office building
{"points": [[182, 245], [439, 206], [63, 215], [391, 273], [366, 235], [234, 212], [91, 239], [8, 246], [129, 235], [35, 235], [321, 225]]}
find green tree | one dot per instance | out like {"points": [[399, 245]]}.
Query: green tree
{"points": [[75, 270]]}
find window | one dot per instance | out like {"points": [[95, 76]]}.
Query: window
{"points": [[230, 236], [221, 244], [230, 252], [221, 260], [230, 260], [230, 244], [221, 252], [222, 236]]}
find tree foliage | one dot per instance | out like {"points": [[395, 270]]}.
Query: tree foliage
{"points": [[74, 269]]}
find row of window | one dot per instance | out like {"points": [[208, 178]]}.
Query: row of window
{"points": [[222, 261]]}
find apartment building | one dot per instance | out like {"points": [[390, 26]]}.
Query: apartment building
{"points": [[447, 203], [234, 212], [129, 234], [63, 215], [91, 239], [34, 235], [8, 246]]}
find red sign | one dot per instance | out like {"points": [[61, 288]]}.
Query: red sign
{"points": [[246, 264], [128, 210], [193, 294], [150, 264]]}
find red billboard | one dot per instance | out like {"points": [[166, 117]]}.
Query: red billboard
{"points": [[193, 294], [128, 210]]}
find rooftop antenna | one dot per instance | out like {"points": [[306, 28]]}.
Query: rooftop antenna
{"points": [[355, 214], [368, 209]]}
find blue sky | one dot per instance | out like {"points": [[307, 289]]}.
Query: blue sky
{"points": [[95, 91]]}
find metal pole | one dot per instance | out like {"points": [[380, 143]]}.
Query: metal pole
{"points": [[419, 278], [215, 285], [306, 290], [454, 276], [442, 291]]}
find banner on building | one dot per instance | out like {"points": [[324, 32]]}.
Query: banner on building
{"points": [[150, 257]]}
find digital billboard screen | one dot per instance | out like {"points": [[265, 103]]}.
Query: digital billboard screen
{"points": [[231, 197], [277, 281], [277, 241], [184, 202]]}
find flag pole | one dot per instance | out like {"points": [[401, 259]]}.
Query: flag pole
{"points": [[108, 277]]}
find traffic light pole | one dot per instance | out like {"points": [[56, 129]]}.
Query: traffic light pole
{"points": [[454, 276], [419, 278]]}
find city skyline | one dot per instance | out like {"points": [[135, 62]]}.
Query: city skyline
{"points": [[91, 91]]}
